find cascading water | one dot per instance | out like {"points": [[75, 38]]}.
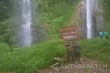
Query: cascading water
{"points": [[92, 18], [89, 22], [25, 29]]}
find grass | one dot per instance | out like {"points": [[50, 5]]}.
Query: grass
{"points": [[30, 59], [96, 48], [40, 56]]}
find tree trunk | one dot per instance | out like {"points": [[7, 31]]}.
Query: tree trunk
{"points": [[10, 46], [7, 41]]}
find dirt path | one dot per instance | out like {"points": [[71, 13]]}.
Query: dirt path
{"points": [[89, 66]]}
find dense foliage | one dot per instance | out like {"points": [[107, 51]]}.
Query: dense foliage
{"points": [[7, 8], [8, 21], [30, 59], [96, 48], [40, 56], [7, 30], [51, 15], [106, 8], [48, 16]]}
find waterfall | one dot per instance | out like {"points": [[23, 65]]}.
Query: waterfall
{"points": [[89, 22], [92, 18], [25, 29]]}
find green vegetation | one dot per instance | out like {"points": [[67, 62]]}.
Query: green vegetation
{"points": [[51, 16], [30, 59], [40, 56], [96, 48], [48, 17], [106, 14], [7, 30], [8, 22]]}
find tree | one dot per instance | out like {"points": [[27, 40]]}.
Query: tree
{"points": [[7, 30], [8, 8]]}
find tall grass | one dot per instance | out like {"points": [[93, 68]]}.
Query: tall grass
{"points": [[40, 56], [97, 48], [30, 59]]}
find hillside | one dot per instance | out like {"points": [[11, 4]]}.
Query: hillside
{"points": [[106, 13], [52, 17], [30, 59], [48, 17], [40, 56]]}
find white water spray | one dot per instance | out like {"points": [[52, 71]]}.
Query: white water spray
{"points": [[26, 27], [89, 22]]}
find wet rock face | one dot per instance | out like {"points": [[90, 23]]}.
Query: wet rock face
{"points": [[99, 16], [97, 20], [82, 18]]}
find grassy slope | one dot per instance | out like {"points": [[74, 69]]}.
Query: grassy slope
{"points": [[97, 48], [58, 17], [41, 56], [30, 59]]}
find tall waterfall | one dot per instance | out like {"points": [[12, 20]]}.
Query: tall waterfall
{"points": [[92, 18], [89, 22], [25, 30]]}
